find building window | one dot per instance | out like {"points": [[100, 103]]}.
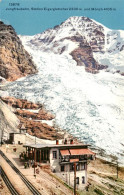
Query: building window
{"points": [[54, 154], [71, 167], [77, 180], [82, 166], [77, 167], [83, 179], [62, 168]]}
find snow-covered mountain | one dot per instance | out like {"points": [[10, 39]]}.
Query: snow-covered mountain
{"points": [[89, 106], [90, 43]]}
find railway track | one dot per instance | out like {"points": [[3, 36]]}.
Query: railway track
{"points": [[8, 183], [24, 179]]}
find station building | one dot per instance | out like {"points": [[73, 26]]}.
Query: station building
{"points": [[62, 158]]}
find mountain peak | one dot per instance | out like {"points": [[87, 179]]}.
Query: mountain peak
{"points": [[79, 18], [76, 33]]}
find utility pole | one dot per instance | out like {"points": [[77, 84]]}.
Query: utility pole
{"points": [[117, 169], [115, 164], [74, 178], [69, 179], [34, 161], [2, 137]]}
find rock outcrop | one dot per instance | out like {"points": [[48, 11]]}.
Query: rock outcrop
{"points": [[15, 62], [20, 103], [39, 129], [41, 115], [83, 55], [32, 118]]}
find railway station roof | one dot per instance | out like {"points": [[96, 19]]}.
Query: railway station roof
{"points": [[61, 146]]}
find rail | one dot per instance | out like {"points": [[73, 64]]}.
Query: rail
{"points": [[8, 183], [24, 179]]}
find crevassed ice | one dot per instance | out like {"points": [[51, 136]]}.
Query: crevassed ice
{"points": [[86, 105]]}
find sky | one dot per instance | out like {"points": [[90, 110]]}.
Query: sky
{"points": [[30, 21]]}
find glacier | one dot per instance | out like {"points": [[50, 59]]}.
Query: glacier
{"points": [[88, 106]]}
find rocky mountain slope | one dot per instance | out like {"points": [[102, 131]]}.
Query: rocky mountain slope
{"points": [[31, 117], [8, 120], [90, 43], [15, 62]]}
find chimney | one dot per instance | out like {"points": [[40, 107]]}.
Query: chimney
{"points": [[65, 142], [71, 141], [57, 142]]}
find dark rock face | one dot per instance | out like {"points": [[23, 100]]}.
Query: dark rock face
{"points": [[41, 115], [32, 121], [83, 55], [20, 103], [15, 62]]}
